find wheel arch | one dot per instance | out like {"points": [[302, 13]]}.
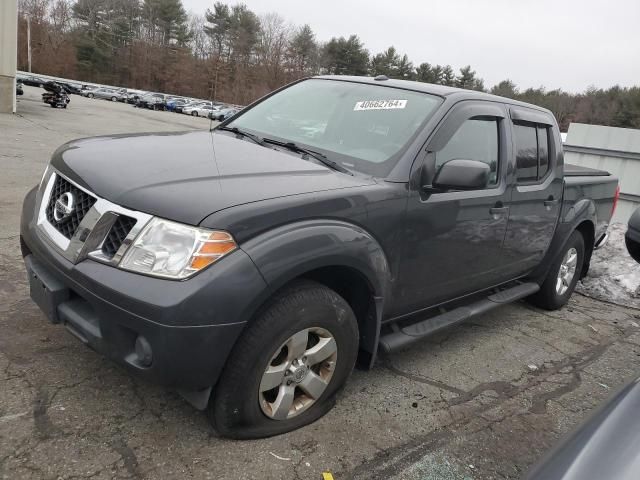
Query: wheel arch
{"points": [[341, 256], [582, 224], [588, 231]]}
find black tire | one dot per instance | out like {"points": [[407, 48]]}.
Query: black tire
{"points": [[548, 296], [194, 114], [234, 409], [114, 99], [633, 248], [90, 95]]}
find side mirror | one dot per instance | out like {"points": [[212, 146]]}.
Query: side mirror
{"points": [[462, 175]]}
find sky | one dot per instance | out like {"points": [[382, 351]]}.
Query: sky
{"points": [[568, 44]]}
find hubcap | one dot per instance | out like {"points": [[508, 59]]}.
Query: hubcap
{"points": [[298, 373], [567, 271]]}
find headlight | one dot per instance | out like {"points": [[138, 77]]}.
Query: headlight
{"points": [[172, 250]]}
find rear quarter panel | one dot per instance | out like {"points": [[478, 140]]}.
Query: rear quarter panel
{"points": [[589, 198]]}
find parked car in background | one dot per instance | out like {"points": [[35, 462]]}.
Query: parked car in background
{"points": [[193, 103], [87, 88], [250, 266], [104, 93], [33, 81], [74, 88], [170, 99], [632, 237], [175, 102], [19, 90], [153, 101], [223, 113], [134, 96], [200, 110]]}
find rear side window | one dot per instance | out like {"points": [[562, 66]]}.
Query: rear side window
{"points": [[543, 151], [476, 139], [532, 152], [526, 153]]}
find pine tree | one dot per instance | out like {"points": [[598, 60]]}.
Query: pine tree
{"points": [[506, 88], [466, 79], [303, 50], [448, 78], [343, 56]]}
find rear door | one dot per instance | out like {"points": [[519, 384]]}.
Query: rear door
{"points": [[537, 195], [453, 239]]}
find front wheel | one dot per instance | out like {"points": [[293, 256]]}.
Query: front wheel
{"points": [[194, 114], [288, 366], [114, 99], [563, 275], [90, 95]]}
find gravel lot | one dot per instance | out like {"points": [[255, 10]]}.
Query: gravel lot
{"points": [[481, 401]]}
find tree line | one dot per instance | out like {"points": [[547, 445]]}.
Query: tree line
{"points": [[230, 53]]}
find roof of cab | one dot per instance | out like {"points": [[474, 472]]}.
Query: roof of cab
{"points": [[440, 90]]}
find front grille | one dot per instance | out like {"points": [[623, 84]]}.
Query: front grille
{"points": [[119, 231], [82, 204]]}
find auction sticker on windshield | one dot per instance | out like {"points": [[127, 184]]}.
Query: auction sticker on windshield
{"points": [[379, 105]]}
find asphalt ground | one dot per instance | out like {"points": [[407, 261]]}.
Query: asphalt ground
{"points": [[483, 400]]}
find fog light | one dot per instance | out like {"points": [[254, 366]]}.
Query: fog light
{"points": [[143, 351]]}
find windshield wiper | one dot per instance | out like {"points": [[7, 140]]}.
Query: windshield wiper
{"points": [[242, 133], [305, 151]]}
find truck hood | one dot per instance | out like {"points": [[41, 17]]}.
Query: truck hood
{"points": [[187, 176]]}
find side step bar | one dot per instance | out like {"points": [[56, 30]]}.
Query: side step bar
{"points": [[404, 336]]}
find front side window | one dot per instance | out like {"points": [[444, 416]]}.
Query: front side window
{"points": [[361, 126], [476, 139]]}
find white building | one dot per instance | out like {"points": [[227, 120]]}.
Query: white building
{"points": [[616, 150]]}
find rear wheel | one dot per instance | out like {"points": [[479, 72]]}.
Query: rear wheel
{"points": [[90, 95], [114, 99], [194, 114], [288, 366], [563, 275]]}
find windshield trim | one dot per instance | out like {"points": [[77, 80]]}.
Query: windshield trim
{"points": [[397, 157]]}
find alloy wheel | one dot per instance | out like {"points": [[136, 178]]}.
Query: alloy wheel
{"points": [[298, 373], [567, 271]]}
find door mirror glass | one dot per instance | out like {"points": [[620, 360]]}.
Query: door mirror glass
{"points": [[462, 175]]}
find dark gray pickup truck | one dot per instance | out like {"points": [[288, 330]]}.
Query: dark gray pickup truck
{"points": [[250, 266]]}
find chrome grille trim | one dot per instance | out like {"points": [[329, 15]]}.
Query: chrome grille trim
{"points": [[88, 238]]}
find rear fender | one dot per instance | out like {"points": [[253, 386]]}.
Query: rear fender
{"points": [[571, 217]]}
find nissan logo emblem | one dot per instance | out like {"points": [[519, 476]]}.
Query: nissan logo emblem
{"points": [[65, 204]]}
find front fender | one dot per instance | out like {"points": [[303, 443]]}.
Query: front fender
{"points": [[290, 251], [287, 252]]}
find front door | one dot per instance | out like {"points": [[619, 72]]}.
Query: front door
{"points": [[453, 239]]}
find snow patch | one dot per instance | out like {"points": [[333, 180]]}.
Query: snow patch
{"points": [[613, 276]]}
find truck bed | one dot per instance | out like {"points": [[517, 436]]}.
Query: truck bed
{"points": [[579, 171]]}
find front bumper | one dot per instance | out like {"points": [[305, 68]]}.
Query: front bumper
{"points": [[190, 326]]}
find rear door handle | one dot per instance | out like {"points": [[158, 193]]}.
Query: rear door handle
{"points": [[498, 210]]}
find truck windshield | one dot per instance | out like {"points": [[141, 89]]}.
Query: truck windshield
{"points": [[361, 126]]}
